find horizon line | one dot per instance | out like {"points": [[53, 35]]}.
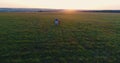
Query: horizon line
{"points": [[57, 8]]}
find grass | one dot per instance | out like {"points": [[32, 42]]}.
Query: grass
{"points": [[80, 38]]}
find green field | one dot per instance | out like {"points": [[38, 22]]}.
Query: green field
{"points": [[80, 38]]}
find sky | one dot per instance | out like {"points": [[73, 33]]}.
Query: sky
{"points": [[63, 4]]}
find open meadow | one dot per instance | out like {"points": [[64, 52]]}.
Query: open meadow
{"points": [[81, 37]]}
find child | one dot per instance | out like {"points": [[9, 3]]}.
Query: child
{"points": [[56, 22]]}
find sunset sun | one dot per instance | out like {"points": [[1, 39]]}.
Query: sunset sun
{"points": [[68, 11]]}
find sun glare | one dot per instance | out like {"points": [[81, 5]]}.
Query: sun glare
{"points": [[69, 11], [62, 4]]}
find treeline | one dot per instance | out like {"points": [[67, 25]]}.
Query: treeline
{"points": [[28, 10], [51, 10], [105, 11]]}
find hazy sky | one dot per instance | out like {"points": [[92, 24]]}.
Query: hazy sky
{"points": [[62, 4]]}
